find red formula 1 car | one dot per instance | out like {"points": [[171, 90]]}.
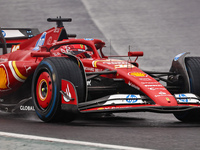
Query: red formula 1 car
{"points": [[58, 77]]}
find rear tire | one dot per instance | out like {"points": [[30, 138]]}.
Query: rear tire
{"points": [[193, 69], [46, 87]]}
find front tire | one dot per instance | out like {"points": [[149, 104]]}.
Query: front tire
{"points": [[46, 87], [193, 69]]}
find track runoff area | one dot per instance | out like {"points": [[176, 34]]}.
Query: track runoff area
{"points": [[23, 141]]}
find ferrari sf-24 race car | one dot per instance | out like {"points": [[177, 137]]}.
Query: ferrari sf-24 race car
{"points": [[59, 76]]}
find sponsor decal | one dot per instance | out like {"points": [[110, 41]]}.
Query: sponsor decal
{"points": [[40, 42], [82, 46], [144, 79], [124, 66], [98, 70], [27, 68], [156, 85], [149, 82], [119, 64], [186, 95], [12, 33], [178, 56], [3, 59], [128, 100], [27, 108], [15, 48], [109, 62], [57, 54], [122, 96], [187, 98], [66, 50], [67, 92], [115, 62], [137, 74], [133, 85], [57, 30], [183, 96], [49, 41], [89, 69], [4, 33], [124, 99], [89, 83], [88, 39], [54, 42], [153, 88], [4, 80], [162, 93], [167, 99]]}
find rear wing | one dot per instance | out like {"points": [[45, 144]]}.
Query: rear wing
{"points": [[15, 36]]}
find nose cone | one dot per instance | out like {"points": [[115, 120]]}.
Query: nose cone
{"points": [[166, 101]]}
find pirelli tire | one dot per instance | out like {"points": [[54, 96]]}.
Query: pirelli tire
{"points": [[46, 86], [193, 69]]}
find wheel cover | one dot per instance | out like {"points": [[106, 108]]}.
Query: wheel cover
{"points": [[44, 90]]}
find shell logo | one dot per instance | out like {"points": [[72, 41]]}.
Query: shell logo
{"points": [[4, 82], [137, 74]]}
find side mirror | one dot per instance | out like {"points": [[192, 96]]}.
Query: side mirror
{"points": [[137, 53]]}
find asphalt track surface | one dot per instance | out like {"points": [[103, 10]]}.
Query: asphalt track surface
{"points": [[162, 29]]}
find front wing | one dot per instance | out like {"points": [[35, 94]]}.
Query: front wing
{"points": [[137, 103]]}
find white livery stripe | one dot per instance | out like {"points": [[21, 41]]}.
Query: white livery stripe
{"points": [[13, 72], [118, 96], [113, 102], [185, 95], [13, 33], [32, 137], [187, 98]]}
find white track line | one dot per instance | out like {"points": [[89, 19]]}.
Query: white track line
{"points": [[32, 137]]}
